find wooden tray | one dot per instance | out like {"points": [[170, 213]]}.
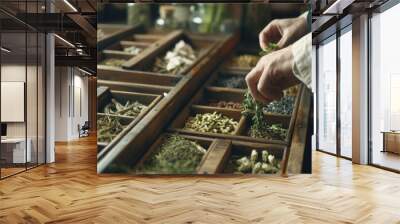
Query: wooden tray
{"points": [[218, 155], [195, 105], [105, 97], [124, 120], [205, 143], [114, 32], [239, 134], [146, 60], [142, 41], [241, 50], [222, 155], [138, 139], [228, 74], [135, 87], [138, 77]]}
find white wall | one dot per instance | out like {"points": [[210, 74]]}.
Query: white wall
{"points": [[70, 83]]}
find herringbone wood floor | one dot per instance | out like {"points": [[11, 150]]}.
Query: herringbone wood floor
{"points": [[70, 191]]}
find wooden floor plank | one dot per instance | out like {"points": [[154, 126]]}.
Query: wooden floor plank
{"points": [[70, 191]]}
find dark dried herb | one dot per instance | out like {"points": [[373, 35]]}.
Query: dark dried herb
{"points": [[108, 127], [231, 81], [225, 104], [176, 155], [245, 60], [113, 62], [283, 106]]}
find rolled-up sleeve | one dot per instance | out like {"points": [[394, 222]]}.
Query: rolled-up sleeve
{"points": [[301, 51]]}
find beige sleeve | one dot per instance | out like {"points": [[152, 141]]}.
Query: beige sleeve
{"points": [[302, 51]]}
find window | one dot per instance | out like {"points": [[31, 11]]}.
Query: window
{"points": [[385, 85], [346, 75], [327, 96]]}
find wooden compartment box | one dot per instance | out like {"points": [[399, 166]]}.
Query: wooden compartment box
{"points": [[191, 95], [199, 104], [123, 120], [104, 59], [135, 77], [135, 87], [143, 161], [220, 156], [138, 41], [230, 63], [146, 61], [105, 96], [229, 79]]}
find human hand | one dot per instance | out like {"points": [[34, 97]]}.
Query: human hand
{"points": [[283, 32], [272, 74]]}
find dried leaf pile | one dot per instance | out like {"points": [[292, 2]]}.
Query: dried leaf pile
{"points": [[211, 123], [129, 109], [233, 81], [113, 62], [225, 104], [175, 61], [245, 60], [133, 50], [274, 131], [267, 164], [108, 127], [176, 155], [283, 106]]}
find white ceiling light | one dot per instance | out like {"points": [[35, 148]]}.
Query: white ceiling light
{"points": [[70, 5], [64, 40], [5, 50]]}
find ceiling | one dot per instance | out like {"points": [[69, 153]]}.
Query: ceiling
{"points": [[72, 20]]}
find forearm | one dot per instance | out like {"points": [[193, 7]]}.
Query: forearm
{"points": [[301, 51]]}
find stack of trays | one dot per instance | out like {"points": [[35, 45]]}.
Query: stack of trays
{"points": [[211, 85]]}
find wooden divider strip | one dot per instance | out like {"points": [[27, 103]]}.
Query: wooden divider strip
{"points": [[215, 159]]}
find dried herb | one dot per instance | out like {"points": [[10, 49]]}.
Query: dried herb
{"points": [[212, 123], [176, 155], [129, 109], [244, 60], [133, 50], [270, 48], [175, 61], [274, 131], [283, 106], [108, 127], [292, 91], [267, 164], [253, 111], [113, 62], [225, 104], [232, 81]]}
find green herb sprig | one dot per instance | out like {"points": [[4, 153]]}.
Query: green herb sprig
{"points": [[270, 48]]}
